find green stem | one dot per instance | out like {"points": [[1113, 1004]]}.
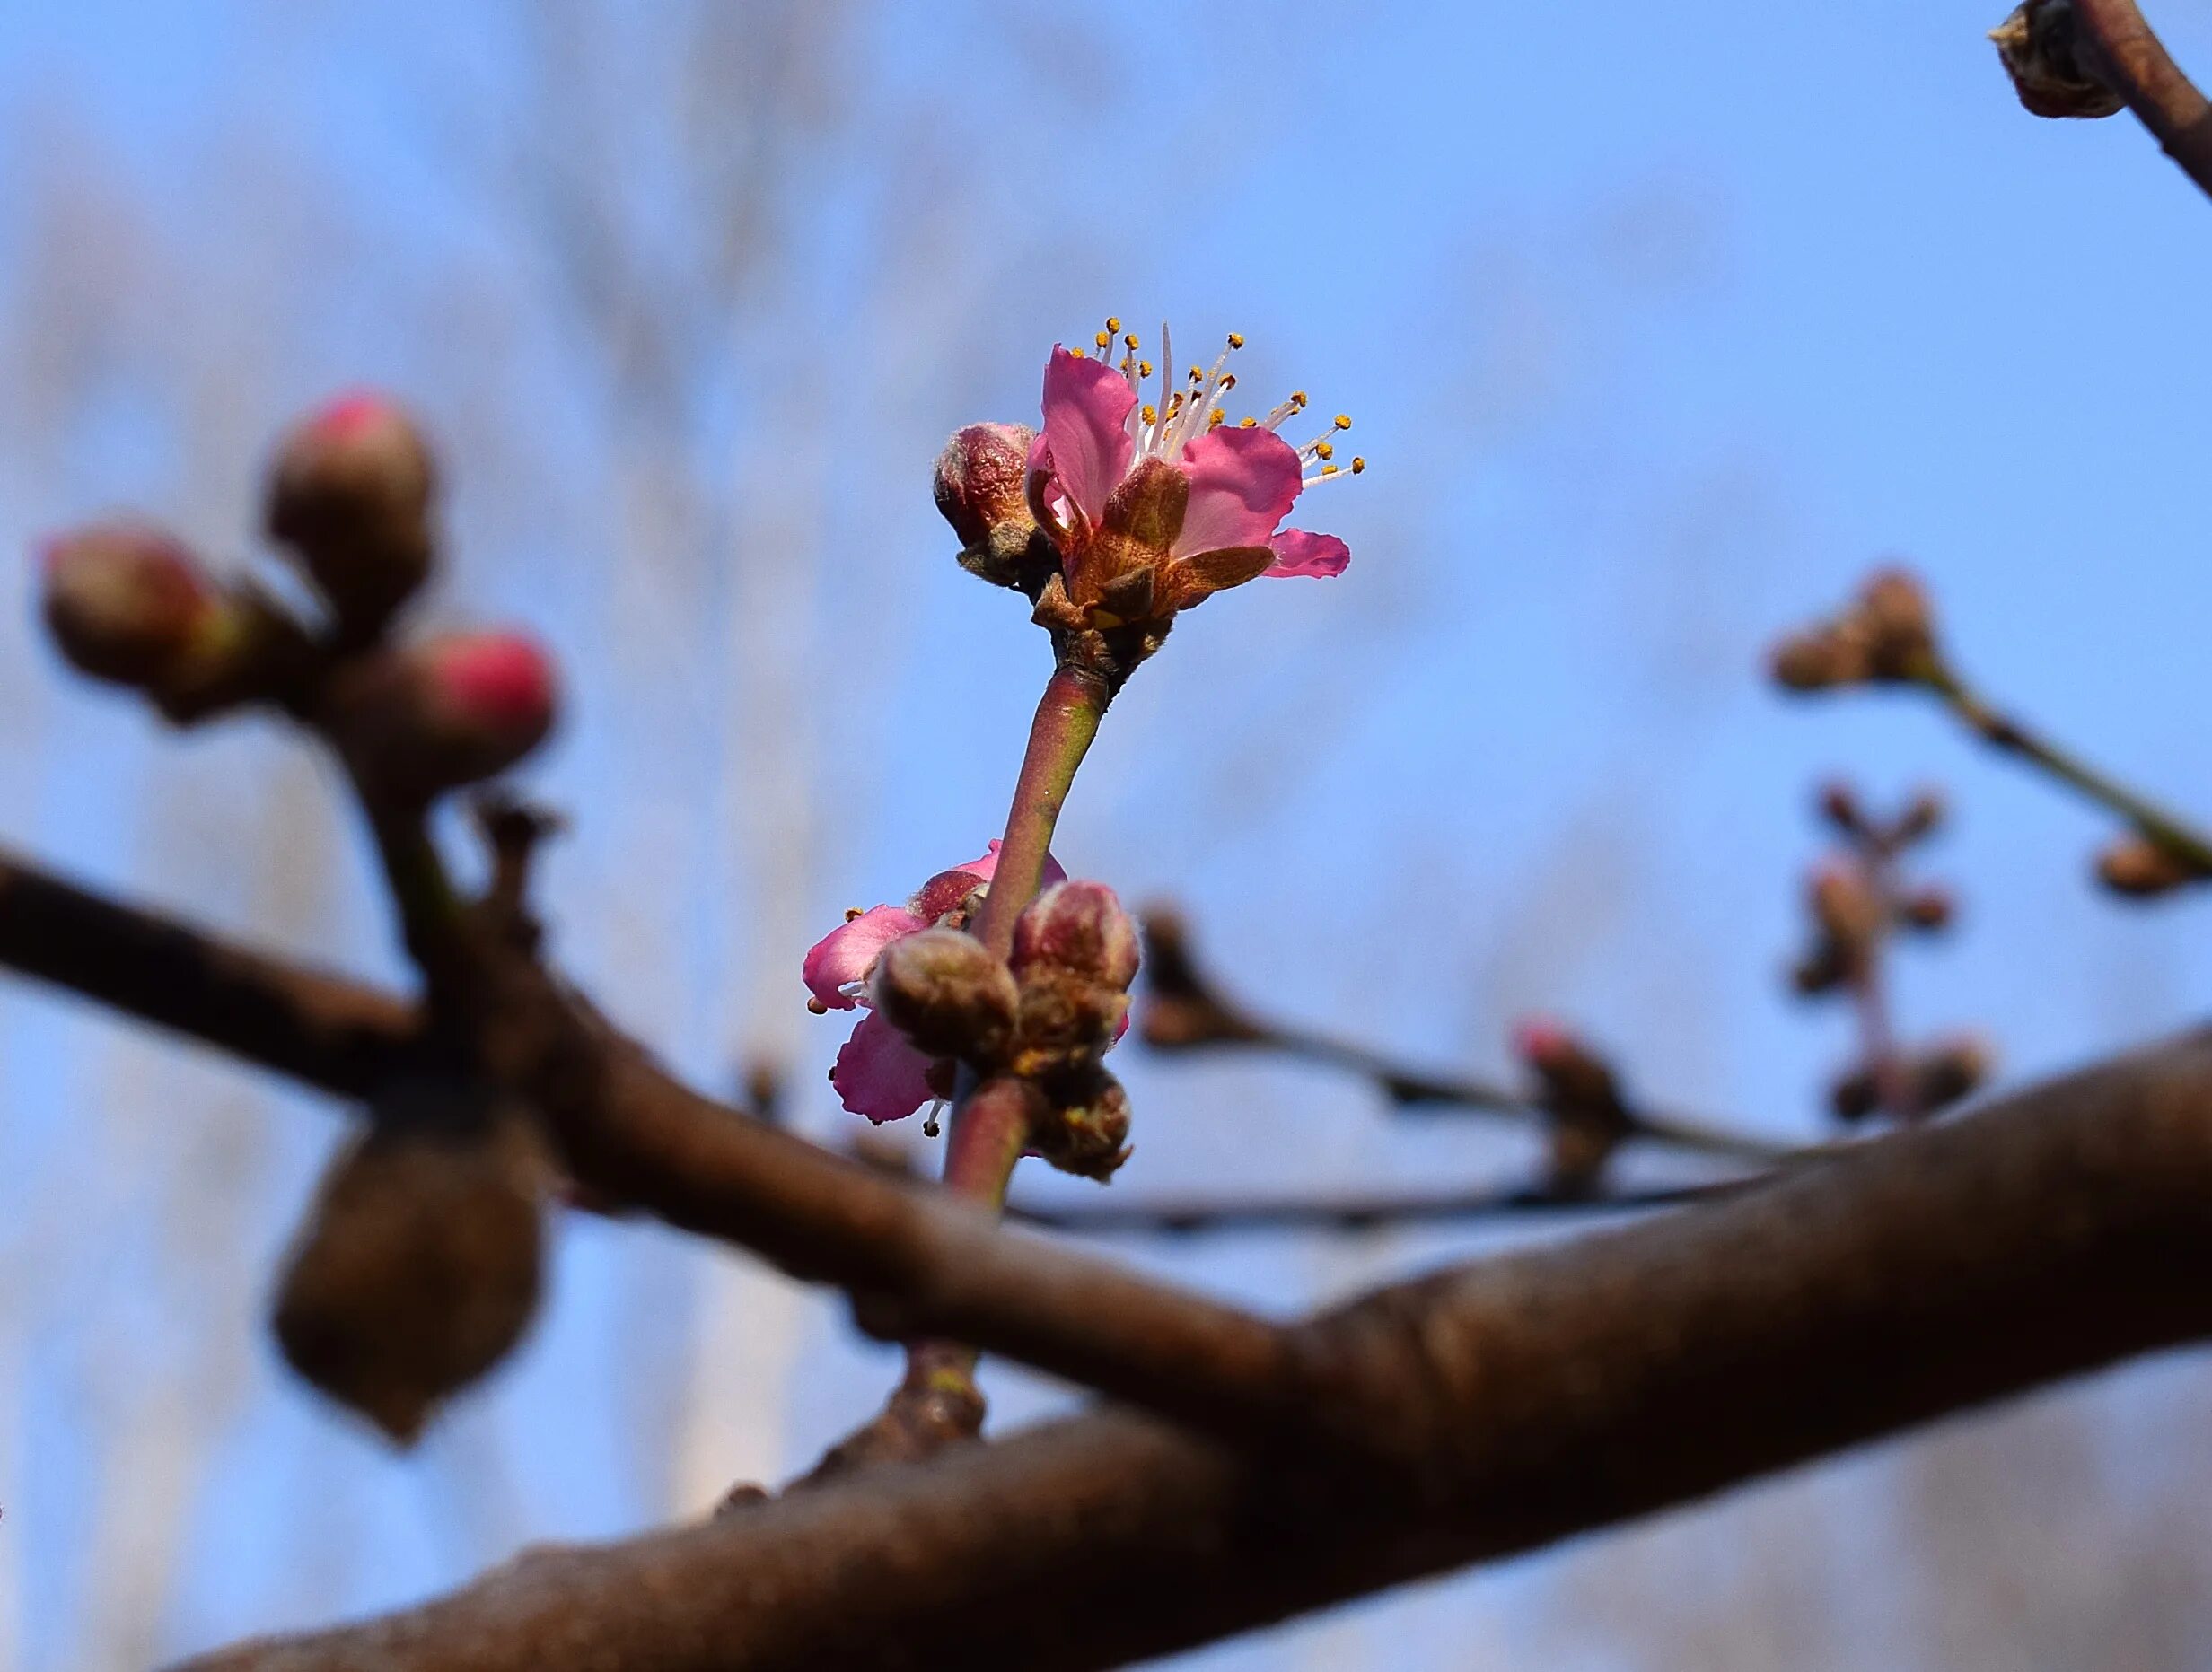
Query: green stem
{"points": [[1067, 717], [2171, 834], [990, 1129]]}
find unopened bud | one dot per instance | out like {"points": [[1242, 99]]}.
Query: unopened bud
{"points": [[2137, 866], [1839, 806], [1181, 1009], [1946, 1072], [1899, 623], [1088, 1134], [447, 711], [1574, 1076], [1843, 906], [350, 496], [1854, 1095], [1923, 816], [948, 993], [1927, 909], [945, 898], [982, 480], [417, 1269], [1818, 660], [2041, 47], [1079, 927], [130, 604]]}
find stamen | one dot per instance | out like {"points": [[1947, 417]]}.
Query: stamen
{"points": [[1344, 421], [1235, 341]]}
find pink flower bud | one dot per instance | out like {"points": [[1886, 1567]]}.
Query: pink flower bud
{"points": [[982, 480], [1079, 927], [350, 494], [944, 989], [128, 604], [447, 711]]}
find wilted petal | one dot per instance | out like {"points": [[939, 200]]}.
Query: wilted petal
{"points": [[879, 1074], [848, 952], [1296, 552], [1086, 408], [1242, 485]]}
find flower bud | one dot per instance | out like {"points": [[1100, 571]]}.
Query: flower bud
{"points": [[2041, 48], [417, 1270], [350, 494], [1945, 1073], [944, 989], [416, 722], [1182, 1009], [1844, 906], [982, 480], [1923, 817], [1929, 909], [2137, 866], [130, 605], [1573, 1078], [1079, 927], [1839, 804], [1818, 660], [1088, 1134]]}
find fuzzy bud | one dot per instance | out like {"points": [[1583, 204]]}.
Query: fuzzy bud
{"points": [[417, 1270], [2041, 48], [946, 991], [1927, 909], [982, 480], [350, 494], [130, 605], [1942, 1074], [449, 711], [1843, 906], [1818, 660], [2137, 866], [1181, 1008], [1087, 1135], [1079, 927]]}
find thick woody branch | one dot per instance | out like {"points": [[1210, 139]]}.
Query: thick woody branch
{"points": [[915, 1261], [1547, 1393], [2132, 61]]}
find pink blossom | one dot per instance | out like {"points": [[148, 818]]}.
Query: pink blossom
{"points": [[1154, 504], [878, 1073]]}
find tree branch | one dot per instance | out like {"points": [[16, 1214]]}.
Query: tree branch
{"points": [[1546, 1393], [2135, 64]]}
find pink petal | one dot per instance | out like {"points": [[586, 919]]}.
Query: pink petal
{"points": [[1296, 552], [982, 870], [1086, 405], [1242, 485], [848, 952], [879, 1074]]}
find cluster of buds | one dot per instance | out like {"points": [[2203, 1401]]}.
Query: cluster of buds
{"points": [[2052, 65], [350, 500], [1137, 499], [419, 1265], [1047, 1014], [1886, 635], [1587, 1116], [1855, 901]]}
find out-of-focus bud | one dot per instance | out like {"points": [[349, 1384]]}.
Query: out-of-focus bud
{"points": [[1079, 927], [946, 990], [1839, 804], [429, 717], [1886, 635], [1945, 1072], [1927, 909], [981, 488], [417, 1270], [350, 494], [2040, 46], [2137, 866], [1818, 660], [945, 898], [1181, 1008], [1821, 970], [1894, 606], [130, 604], [1844, 906], [1923, 817], [1588, 1120], [1087, 1135], [1855, 1096]]}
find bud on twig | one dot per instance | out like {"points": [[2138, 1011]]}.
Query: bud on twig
{"points": [[982, 489], [350, 496], [1927, 909], [1182, 1009], [415, 721], [2137, 866], [128, 604], [1581, 1098], [2041, 47], [417, 1269], [944, 989], [1079, 927], [1086, 1134], [1885, 636]]}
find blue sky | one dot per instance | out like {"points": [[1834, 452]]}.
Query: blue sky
{"points": [[1659, 325]]}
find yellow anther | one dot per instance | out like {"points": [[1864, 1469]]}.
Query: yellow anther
{"points": [[1151, 414], [1077, 354], [1129, 342], [1144, 367], [1344, 421], [1324, 449], [1358, 465], [1247, 424], [1112, 324], [1297, 398], [1328, 469], [852, 913], [1197, 376], [1104, 339], [1216, 416], [1235, 341], [1228, 380]]}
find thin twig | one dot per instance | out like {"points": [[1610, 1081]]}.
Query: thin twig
{"points": [[1197, 1215], [2134, 64]]}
